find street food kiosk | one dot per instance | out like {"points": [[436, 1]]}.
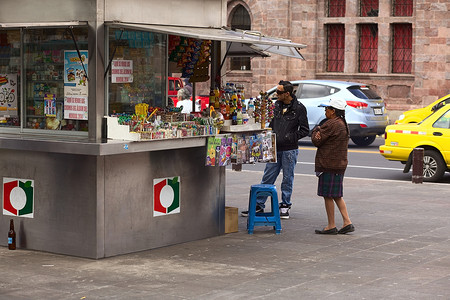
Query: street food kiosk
{"points": [[69, 184]]}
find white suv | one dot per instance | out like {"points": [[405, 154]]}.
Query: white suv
{"points": [[365, 112]]}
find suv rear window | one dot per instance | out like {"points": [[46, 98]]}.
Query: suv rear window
{"points": [[363, 92], [308, 90]]}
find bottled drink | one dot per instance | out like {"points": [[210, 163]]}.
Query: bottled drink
{"points": [[242, 92], [239, 117], [234, 118], [217, 98], [223, 108], [227, 92], [239, 99], [234, 98], [245, 118], [232, 87], [212, 98], [11, 236]]}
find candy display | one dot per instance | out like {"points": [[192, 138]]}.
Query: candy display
{"points": [[227, 111], [168, 123], [192, 56], [264, 109]]}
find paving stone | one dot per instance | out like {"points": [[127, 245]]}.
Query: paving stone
{"points": [[398, 251]]}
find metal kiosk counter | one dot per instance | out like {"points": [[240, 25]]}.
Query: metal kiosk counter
{"points": [[96, 199]]}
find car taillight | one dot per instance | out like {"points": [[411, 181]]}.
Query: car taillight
{"points": [[363, 125], [357, 104], [385, 135]]}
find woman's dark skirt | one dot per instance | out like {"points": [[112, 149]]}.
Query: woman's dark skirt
{"points": [[331, 185]]}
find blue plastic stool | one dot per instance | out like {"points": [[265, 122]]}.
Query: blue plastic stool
{"points": [[267, 218]]}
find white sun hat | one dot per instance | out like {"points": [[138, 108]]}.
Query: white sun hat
{"points": [[335, 103]]}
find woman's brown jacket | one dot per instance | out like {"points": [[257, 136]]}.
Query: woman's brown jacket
{"points": [[332, 147]]}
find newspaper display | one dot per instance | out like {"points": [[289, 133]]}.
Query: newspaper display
{"points": [[241, 149]]}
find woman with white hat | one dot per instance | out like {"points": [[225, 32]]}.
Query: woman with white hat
{"points": [[331, 140]]}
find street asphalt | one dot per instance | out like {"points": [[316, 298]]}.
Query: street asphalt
{"points": [[400, 250]]}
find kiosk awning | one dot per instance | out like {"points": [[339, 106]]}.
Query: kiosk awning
{"points": [[244, 50], [243, 42]]}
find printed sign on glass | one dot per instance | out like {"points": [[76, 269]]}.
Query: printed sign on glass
{"points": [[75, 75], [121, 71], [8, 94], [76, 107], [50, 105]]}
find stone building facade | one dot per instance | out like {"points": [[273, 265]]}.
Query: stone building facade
{"points": [[306, 22]]}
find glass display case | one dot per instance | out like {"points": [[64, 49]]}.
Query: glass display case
{"points": [[137, 70]]}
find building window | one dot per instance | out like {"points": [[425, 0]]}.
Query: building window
{"points": [[403, 8], [369, 8], [336, 47], [336, 8], [402, 48], [368, 48], [240, 19]]}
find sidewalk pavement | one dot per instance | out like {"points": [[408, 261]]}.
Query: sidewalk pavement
{"points": [[400, 250]]}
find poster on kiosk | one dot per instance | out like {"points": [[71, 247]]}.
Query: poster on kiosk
{"points": [[75, 85], [8, 95]]}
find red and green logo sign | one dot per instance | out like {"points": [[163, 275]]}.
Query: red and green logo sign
{"points": [[166, 196], [18, 197]]}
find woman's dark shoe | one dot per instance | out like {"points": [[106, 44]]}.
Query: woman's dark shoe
{"points": [[347, 229], [328, 231]]}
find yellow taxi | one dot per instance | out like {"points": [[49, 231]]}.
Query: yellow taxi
{"points": [[417, 115], [432, 134]]}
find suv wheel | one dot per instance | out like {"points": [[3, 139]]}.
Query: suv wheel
{"points": [[363, 140], [433, 166]]}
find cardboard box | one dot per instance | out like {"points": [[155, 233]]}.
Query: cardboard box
{"points": [[231, 219]]}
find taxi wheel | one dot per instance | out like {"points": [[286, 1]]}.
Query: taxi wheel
{"points": [[433, 166], [363, 140]]}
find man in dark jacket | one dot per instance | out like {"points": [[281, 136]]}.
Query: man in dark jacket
{"points": [[290, 124]]}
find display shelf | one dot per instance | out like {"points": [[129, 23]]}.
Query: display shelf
{"points": [[53, 42], [243, 128], [42, 99], [45, 81], [46, 63], [41, 116]]}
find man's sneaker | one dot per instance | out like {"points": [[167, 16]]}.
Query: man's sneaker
{"points": [[259, 209], [284, 211]]}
